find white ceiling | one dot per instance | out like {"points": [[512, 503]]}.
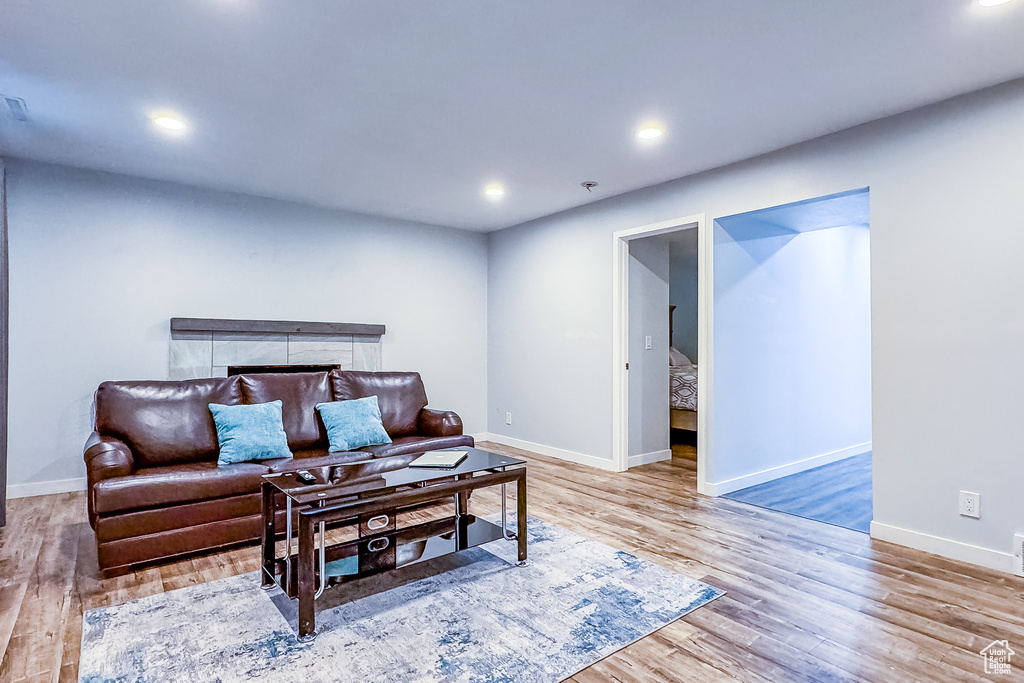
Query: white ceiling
{"points": [[407, 108]]}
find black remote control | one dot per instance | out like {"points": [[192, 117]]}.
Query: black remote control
{"points": [[305, 477]]}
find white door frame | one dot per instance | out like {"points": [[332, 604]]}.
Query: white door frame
{"points": [[705, 347]]}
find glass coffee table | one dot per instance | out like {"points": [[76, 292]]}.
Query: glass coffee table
{"points": [[371, 494]]}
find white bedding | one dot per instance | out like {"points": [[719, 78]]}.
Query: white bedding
{"points": [[683, 386]]}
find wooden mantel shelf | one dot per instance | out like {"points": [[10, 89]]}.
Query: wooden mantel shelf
{"points": [[279, 326]]}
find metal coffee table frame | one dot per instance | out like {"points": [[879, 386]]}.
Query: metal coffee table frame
{"points": [[375, 511]]}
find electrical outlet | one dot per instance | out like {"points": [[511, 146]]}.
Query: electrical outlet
{"points": [[1018, 554], [648, 342], [508, 418], [970, 504]]}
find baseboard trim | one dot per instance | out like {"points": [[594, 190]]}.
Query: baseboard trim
{"points": [[730, 485], [44, 488], [947, 547], [550, 451], [648, 458]]}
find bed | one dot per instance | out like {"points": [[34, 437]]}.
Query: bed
{"points": [[682, 385]]}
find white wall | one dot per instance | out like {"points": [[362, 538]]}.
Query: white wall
{"points": [[549, 346], [947, 316], [648, 368], [100, 263], [683, 273], [792, 352]]}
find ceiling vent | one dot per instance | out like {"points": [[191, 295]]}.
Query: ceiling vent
{"points": [[13, 107]]}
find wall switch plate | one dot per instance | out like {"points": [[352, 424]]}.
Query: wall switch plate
{"points": [[648, 342], [970, 504], [508, 418], [1018, 554]]}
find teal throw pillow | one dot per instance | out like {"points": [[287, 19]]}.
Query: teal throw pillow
{"points": [[250, 432], [353, 424]]}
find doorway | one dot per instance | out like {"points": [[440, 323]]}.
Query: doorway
{"points": [[784, 397], [793, 307], [640, 348], [683, 355]]}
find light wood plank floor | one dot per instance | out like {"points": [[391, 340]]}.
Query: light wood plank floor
{"points": [[806, 601]]}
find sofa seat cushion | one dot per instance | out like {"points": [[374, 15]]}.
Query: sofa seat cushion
{"points": [[417, 444], [151, 487], [315, 457]]}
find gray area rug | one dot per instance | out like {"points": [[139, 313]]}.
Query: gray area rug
{"points": [[473, 616]]}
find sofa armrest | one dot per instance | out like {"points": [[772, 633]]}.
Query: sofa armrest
{"points": [[105, 458], [439, 423]]}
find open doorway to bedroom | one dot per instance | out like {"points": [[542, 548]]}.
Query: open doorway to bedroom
{"points": [[663, 348], [645, 328], [683, 342]]}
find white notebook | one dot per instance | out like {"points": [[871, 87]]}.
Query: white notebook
{"points": [[444, 459]]}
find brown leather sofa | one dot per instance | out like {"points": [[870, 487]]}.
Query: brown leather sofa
{"points": [[155, 489]]}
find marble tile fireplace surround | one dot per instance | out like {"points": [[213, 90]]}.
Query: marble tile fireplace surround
{"points": [[207, 347]]}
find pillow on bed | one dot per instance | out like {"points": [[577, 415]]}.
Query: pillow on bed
{"points": [[677, 357]]}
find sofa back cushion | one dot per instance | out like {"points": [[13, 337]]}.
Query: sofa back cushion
{"points": [[400, 395], [165, 422], [299, 392]]}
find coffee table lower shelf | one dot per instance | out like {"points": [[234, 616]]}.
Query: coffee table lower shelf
{"points": [[355, 559]]}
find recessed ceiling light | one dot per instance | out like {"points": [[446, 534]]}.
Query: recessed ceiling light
{"points": [[993, 3], [170, 123], [649, 133], [494, 191]]}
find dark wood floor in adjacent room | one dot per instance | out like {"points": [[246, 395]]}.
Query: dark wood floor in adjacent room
{"points": [[838, 493], [806, 601]]}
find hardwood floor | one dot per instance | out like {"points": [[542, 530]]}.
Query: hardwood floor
{"points": [[806, 601], [838, 493]]}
